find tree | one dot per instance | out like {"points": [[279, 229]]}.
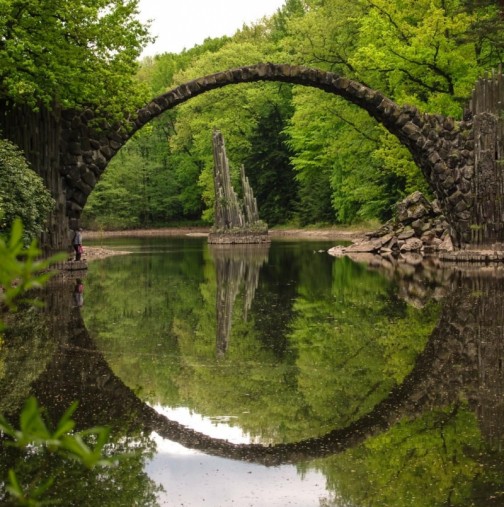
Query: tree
{"points": [[311, 156], [425, 53], [421, 52], [70, 52], [268, 165], [22, 193]]}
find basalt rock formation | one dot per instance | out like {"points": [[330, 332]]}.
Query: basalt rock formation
{"points": [[235, 221]]}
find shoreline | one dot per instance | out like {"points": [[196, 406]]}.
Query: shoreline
{"points": [[329, 233], [97, 252]]}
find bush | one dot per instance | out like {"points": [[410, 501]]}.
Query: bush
{"points": [[23, 194]]}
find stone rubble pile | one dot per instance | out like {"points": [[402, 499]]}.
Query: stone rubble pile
{"points": [[419, 226]]}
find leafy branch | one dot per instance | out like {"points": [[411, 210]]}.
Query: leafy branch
{"points": [[21, 268], [34, 432]]}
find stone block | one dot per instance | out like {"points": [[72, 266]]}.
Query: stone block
{"points": [[412, 245], [115, 146], [365, 246], [95, 144], [468, 171], [448, 182], [89, 177], [73, 206], [417, 225], [83, 187], [386, 105], [143, 115], [447, 244], [402, 119], [411, 130], [107, 152], [407, 233], [96, 170], [100, 161], [454, 160], [74, 148], [434, 157]]}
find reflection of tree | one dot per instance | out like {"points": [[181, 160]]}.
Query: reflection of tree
{"points": [[450, 453], [60, 377], [423, 431], [354, 343], [426, 461], [235, 266], [123, 484]]}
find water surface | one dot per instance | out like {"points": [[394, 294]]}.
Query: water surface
{"points": [[277, 375]]}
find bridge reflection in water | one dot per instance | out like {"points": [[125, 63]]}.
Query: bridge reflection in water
{"points": [[460, 370]]}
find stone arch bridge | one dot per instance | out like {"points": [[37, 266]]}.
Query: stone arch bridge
{"points": [[459, 159], [462, 360]]}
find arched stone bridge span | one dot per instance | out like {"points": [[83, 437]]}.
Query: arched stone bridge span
{"points": [[458, 159], [442, 148]]}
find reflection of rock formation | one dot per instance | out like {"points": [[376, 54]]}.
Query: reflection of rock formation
{"points": [[419, 280], [235, 266], [463, 360], [468, 343], [479, 317]]}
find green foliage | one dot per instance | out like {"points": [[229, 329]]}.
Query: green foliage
{"points": [[236, 112], [158, 72], [33, 430], [162, 340], [23, 194], [365, 341], [429, 60], [268, 165], [310, 157], [428, 461], [21, 268], [70, 53], [56, 461], [428, 54]]}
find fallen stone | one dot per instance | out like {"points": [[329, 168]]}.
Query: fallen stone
{"points": [[365, 246], [407, 233], [446, 244], [413, 207], [412, 245]]}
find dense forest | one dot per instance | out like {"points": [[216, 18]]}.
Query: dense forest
{"points": [[311, 158]]}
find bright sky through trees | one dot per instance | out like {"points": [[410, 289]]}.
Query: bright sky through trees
{"points": [[179, 25]]}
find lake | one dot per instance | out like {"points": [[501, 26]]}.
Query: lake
{"points": [[268, 375]]}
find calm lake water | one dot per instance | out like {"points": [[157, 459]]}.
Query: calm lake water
{"points": [[269, 376]]}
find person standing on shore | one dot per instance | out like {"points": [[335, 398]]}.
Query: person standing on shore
{"points": [[77, 244]]}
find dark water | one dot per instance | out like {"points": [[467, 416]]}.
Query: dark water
{"points": [[270, 376]]}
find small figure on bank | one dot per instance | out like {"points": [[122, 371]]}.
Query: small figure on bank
{"points": [[78, 292], [77, 244]]}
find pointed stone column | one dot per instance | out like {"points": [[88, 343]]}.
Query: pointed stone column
{"points": [[234, 222]]}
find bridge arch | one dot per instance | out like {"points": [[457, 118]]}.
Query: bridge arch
{"points": [[441, 147], [445, 368]]}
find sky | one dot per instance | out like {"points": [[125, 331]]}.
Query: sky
{"points": [[181, 24], [190, 477]]}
